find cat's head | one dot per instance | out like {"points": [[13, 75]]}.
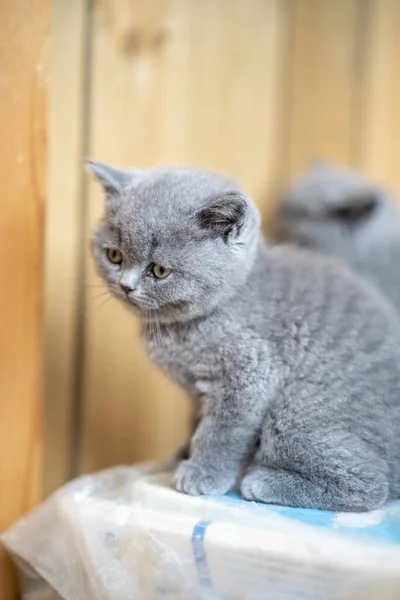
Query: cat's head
{"points": [[335, 210], [173, 243]]}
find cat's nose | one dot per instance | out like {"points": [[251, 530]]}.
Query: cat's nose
{"points": [[126, 288]]}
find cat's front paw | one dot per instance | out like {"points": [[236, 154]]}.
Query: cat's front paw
{"points": [[194, 479]]}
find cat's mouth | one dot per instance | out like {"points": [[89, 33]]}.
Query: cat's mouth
{"points": [[136, 302], [141, 303]]}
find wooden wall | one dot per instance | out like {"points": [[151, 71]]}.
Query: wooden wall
{"points": [[24, 29], [254, 88]]}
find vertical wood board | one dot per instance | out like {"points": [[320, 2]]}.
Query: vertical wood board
{"points": [[173, 82], [64, 235], [24, 28], [324, 82]]}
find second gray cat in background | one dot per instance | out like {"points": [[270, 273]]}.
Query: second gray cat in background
{"points": [[340, 213]]}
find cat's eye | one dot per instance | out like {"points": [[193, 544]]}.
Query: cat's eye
{"points": [[114, 256], [159, 271]]}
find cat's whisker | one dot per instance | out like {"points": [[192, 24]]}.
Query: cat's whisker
{"points": [[104, 303], [154, 329], [159, 332], [149, 325], [172, 339], [155, 333], [101, 295]]}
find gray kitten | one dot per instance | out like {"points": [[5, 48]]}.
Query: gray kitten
{"points": [[339, 212], [294, 360]]}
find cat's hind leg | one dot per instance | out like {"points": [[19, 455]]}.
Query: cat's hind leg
{"points": [[263, 484], [338, 478]]}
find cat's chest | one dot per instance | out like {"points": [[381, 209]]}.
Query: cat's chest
{"points": [[187, 358]]}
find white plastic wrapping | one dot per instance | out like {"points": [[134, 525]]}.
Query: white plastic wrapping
{"points": [[127, 534]]}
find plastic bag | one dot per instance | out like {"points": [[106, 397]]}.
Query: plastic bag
{"points": [[125, 533]]}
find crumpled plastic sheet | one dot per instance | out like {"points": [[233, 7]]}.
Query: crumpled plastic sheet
{"points": [[58, 553], [126, 534]]}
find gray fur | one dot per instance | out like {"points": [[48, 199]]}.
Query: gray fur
{"points": [[340, 213], [294, 360]]}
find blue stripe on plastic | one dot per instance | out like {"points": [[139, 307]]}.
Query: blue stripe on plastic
{"points": [[198, 535]]}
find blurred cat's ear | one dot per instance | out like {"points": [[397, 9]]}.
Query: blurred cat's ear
{"points": [[357, 207], [112, 179], [223, 216]]}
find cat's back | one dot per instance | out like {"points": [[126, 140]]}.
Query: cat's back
{"points": [[335, 342], [298, 286], [317, 316]]}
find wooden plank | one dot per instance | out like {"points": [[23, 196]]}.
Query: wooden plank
{"points": [[64, 228], [325, 54], [24, 28], [378, 149], [179, 81]]}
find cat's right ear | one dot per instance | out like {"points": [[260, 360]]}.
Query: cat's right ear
{"points": [[111, 179], [224, 216], [357, 207]]}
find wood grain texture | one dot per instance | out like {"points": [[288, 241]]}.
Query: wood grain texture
{"points": [[24, 29], [64, 225], [323, 88], [378, 120], [179, 81]]}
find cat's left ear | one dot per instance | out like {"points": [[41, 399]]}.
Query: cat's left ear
{"points": [[113, 180], [224, 216], [357, 207]]}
